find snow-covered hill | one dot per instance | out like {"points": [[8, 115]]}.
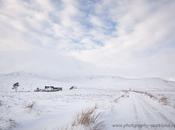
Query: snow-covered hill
{"points": [[98, 103], [29, 82], [115, 82]]}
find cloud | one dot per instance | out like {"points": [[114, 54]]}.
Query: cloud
{"points": [[48, 63], [144, 34], [123, 37]]}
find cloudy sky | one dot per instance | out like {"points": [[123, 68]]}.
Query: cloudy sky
{"points": [[131, 38]]}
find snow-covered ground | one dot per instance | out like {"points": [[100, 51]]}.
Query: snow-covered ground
{"points": [[122, 103]]}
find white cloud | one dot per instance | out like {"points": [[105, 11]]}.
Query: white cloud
{"points": [[129, 38], [141, 31], [49, 63]]}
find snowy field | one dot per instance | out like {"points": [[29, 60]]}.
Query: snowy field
{"points": [[98, 103]]}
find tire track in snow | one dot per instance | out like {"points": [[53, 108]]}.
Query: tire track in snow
{"points": [[143, 113], [145, 109], [155, 110], [135, 108]]}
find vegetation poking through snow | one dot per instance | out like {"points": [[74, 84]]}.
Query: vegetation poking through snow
{"points": [[122, 96], [7, 124], [164, 100], [87, 120], [30, 105], [0, 103], [12, 123]]}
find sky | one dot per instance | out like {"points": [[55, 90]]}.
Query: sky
{"points": [[130, 38]]}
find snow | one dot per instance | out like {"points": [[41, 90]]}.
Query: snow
{"points": [[124, 103]]}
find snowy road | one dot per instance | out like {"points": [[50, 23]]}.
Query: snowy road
{"points": [[136, 111]]}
